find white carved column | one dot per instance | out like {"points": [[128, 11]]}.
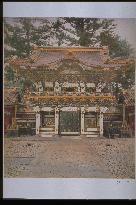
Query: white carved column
{"points": [[57, 88], [102, 110], [78, 88], [82, 86], [82, 120], [37, 122], [56, 120]]}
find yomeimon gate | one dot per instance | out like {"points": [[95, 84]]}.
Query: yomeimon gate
{"points": [[68, 92]]}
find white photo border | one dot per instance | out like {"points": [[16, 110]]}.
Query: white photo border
{"points": [[69, 188]]}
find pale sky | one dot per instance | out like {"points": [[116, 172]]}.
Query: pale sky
{"points": [[125, 11], [126, 28]]}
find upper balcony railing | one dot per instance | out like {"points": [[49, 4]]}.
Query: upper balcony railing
{"points": [[63, 97]]}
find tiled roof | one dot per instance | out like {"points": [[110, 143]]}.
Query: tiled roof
{"points": [[10, 97], [87, 57], [130, 97], [45, 58]]}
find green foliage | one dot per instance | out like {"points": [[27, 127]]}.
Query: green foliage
{"points": [[91, 32], [9, 75], [23, 84], [126, 79], [58, 31], [22, 36], [27, 32], [87, 30], [117, 46]]}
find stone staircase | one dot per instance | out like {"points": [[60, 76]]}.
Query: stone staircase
{"points": [[46, 132], [93, 134]]}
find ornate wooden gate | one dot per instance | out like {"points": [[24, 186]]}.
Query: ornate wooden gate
{"points": [[69, 123]]}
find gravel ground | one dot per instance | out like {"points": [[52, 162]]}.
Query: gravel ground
{"points": [[18, 155], [66, 157], [118, 155]]}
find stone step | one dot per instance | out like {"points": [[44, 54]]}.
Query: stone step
{"points": [[46, 129], [45, 135], [71, 137], [92, 135]]}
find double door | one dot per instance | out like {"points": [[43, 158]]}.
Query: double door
{"points": [[69, 123]]}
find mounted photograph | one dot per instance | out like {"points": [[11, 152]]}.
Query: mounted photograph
{"points": [[69, 97]]}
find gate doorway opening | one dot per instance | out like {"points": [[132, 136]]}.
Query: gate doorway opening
{"points": [[69, 123], [47, 122], [91, 120]]}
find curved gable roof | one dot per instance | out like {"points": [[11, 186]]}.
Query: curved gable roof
{"points": [[97, 57]]}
